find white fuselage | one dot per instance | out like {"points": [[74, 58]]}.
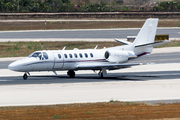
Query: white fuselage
{"points": [[57, 60]]}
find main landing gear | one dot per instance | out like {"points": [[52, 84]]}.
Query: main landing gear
{"points": [[25, 76], [102, 73], [71, 73]]}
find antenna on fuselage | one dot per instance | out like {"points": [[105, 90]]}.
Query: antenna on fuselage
{"points": [[96, 46], [64, 48]]}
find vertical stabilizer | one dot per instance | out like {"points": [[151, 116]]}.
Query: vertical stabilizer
{"points": [[147, 32], [145, 37]]}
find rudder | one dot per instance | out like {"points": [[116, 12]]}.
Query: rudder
{"points": [[147, 32]]}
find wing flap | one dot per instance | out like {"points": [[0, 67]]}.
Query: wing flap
{"points": [[107, 66]]}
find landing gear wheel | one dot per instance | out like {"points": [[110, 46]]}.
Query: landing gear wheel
{"points": [[25, 77], [100, 74], [71, 73]]}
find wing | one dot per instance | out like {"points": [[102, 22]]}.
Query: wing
{"points": [[107, 66]]}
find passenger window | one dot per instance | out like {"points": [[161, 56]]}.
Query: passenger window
{"points": [[91, 54], [70, 55], [45, 55], [65, 55], [75, 55], [59, 56], [86, 55], [80, 55]]}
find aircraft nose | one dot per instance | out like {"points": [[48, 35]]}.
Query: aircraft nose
{"points": [[13, 67]]}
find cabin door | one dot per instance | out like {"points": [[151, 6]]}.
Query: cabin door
{"points": [[58, 60]]}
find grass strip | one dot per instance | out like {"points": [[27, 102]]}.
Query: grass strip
{"points": [[104, 110], [19, 49]]}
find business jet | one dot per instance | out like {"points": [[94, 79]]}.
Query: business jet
{"points": [[91, 59]]}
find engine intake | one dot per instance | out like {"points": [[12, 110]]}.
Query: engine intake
{"points": [[107, 54], [116, 56]]}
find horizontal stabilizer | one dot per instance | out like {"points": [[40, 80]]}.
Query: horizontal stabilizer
{"points": [[154, 44], [123, 42]]}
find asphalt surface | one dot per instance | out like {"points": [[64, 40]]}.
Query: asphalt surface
{"points": [[4, 64], [93, 34], [92, 78], [159, 58], [150, 87]]}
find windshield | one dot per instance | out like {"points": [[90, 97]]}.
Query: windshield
{"points": [[30, 55], [36, 54], [39, 55]]}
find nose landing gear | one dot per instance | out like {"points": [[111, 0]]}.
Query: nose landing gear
{"points": [[25, 76]]}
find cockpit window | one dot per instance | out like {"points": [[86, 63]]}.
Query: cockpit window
{"points": [[59, 56], [30, 55], [36, 54], [45, 55]]}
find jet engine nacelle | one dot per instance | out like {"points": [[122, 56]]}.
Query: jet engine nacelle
{"points": [[116, 56]]}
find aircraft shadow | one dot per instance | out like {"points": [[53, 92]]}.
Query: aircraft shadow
{"points": [[132, 76]]}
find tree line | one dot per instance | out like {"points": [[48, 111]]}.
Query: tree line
{"points": [[27, 6]]}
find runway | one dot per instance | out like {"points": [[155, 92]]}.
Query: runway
{"points": [[88, 77], [62, 35], [140, 86], [147, 83]]}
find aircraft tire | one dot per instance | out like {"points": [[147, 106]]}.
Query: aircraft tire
{"points": [[71, 73], [25, 77], [100, 74]]}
